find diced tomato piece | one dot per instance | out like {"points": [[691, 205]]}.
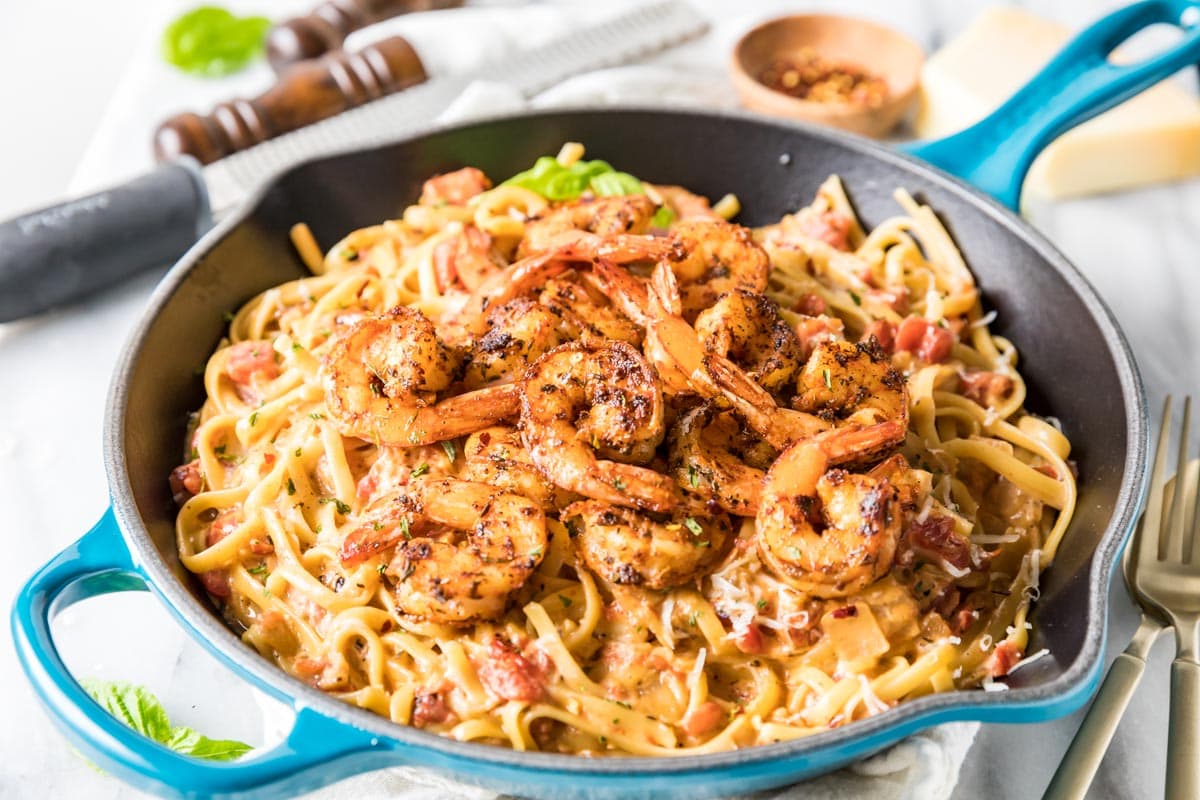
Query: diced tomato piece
{"points": [[186, 481], [986, 388], [429, 708], [225, 524], [831, 227], [1002, 659], [895, 299], [1047, 470], [704, 719], [247, 359], [810, 304], [509, 675], [455, 187], [930, 342], [884, 333], [749, 640], [216, 582]]}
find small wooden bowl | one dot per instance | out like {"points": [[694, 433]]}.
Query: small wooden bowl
{"points": [[869, 46]]}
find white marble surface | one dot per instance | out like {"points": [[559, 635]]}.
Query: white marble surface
{"points": [[1139, 249]]}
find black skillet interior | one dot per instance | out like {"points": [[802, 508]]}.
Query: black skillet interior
{"points": [[1067, 356]]}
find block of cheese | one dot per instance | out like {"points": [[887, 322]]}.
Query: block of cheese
{"points": [[1150, 138]]}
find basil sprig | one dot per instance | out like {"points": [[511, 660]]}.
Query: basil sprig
{"points": [[210, 41], [140, 710], [555, 182]]}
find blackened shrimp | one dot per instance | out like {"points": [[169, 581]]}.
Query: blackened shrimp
{"points": [[628, 547], [497, 456], [584, 405], [519, 332], [586, 221], [712, 455], [824, 530], [716, 258], [460, 549], [851, 382], [382, 378], [746, 328]]}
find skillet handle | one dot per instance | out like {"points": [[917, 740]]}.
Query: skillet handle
{"points": [[1079, 83], [317, 751]]}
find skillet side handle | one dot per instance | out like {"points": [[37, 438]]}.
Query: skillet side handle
{"points": [[318, 750], [1079, 83]]}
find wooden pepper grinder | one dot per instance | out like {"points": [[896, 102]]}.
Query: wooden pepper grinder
{"points": [[328, 25], [308, 92]]}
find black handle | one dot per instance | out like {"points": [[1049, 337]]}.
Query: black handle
{"points": [[67, 251]]}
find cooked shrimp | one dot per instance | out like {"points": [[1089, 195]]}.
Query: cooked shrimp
{"points": [[746, 328], [454, 188], [586, 312], [851, 382], [382, 378], [677, 354], [684, 204], [461, 549], [627, 547], [466, 257], [829, 532], [717, 258], [584, 404], [587, 219], [713, 456], [497, 456], [519, 332]]}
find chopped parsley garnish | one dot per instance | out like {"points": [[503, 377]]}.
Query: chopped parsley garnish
{"points": [[404, 531], [451, 451], [857, 300], [828, 378], [618, 484], [261, 569], [693, 526], [760, 605], [382, 568], [536, 552], [692, 618], [316, 415], [566, 601], [253, 418], [291, 487], [420, 470], [693, 476], [227, 316], [341, 507]]}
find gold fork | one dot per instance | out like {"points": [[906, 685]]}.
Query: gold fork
{"points": [[1162, 572]]}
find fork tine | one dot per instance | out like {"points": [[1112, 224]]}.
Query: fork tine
{"points": [[1172, 548], [1152, 516], [1191, 546]]}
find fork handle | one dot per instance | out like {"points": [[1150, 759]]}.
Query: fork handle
{"points": [[1183, 738], [1074, 774]]}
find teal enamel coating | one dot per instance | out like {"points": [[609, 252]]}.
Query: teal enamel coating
{"points": [[994, 155]]}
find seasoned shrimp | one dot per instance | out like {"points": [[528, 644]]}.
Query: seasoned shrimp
{"points": [[519, 332], [461, 548], [497, 456], [583, 404], [829, 532], [627, 547], [713, 456], [851, 382], [466, 257], [454, 188], [716, 258], [586, 312], [587, 219], [684, 204], [746, 328], [382, 378], [677, 353]]}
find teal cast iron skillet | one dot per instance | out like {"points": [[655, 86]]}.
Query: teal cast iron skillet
{"points": [[1074, 357]]}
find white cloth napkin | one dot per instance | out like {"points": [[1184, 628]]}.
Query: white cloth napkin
{"points": [[923, 767]]}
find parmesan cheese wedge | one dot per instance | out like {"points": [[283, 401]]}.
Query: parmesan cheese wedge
{"points": [[1150, 138]]}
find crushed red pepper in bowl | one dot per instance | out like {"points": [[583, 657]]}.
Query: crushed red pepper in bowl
{"points": [[807, 75]]}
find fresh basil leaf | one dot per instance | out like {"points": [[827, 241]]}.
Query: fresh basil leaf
{"points": [[139, 709], [188, 742], [563, 186], [133, 705], [615, 184], [662, 218], [210, 41]]}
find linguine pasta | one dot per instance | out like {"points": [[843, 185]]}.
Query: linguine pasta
{"points": [[708, 612]]}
